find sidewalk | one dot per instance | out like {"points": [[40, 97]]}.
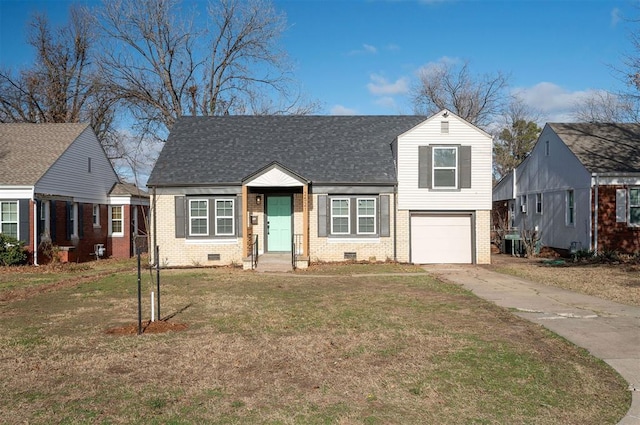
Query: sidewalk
{"points": [[608, 330]]}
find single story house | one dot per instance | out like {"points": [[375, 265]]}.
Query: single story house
{"points": [[323, 188], [57, 186], [579, 187]]}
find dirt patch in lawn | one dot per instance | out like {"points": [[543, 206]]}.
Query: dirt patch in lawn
{"points": [[618, 282], [148, 327]]}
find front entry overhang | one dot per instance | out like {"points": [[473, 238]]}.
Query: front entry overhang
{"points": [[275, 175]]}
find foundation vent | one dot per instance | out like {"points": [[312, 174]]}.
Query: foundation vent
{"points": [[350, 256], [213, 257]]}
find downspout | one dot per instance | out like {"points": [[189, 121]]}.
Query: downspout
{"points": [[35, 232], [595, 213], [155, 227], [395, 222]]}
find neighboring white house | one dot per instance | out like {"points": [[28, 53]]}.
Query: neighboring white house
{"points": [[579, 188], [323, 188]]}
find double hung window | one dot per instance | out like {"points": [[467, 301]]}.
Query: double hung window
{"points": [[9, 218], [634, 206], [198, 217], [340, 216], [445, 167], [224, 217]]}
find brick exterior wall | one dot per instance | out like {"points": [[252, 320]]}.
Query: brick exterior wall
{"points": [[333, 249], [483, 237], [185, 252], [613, 235]]}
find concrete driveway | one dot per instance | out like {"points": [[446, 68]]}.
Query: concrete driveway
{"points": [[608, 330]]}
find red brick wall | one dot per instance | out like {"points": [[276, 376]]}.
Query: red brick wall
{"points": [[120, 246], [613, 235]]}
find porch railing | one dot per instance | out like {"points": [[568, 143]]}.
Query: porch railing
{"points": [[254, 253], [296, 248]]}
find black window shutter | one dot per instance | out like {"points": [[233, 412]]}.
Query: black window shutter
{"points": [[52, 220], [180, 216], [23, 231], [322, 216], [424, 166], [69, 210], [80, 221], [385, 221], [239, 215], [465, 167]]}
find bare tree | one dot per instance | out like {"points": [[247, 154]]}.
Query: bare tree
{"points": [[516, 137], [163, 67], [477, 99], [62, 85], [604, 106]]}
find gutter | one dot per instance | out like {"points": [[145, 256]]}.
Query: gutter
{"points": [[35, 231], [595, 213], [395, 222]]}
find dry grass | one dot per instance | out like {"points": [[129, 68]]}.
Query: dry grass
{"points": [[615, 282], [290, 350]]}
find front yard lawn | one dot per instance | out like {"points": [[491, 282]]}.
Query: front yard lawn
{"points": [[337, 348]]}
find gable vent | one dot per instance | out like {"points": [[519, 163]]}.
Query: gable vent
{"points": [[444, 127], [213, 257]]}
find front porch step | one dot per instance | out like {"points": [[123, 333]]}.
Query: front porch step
{"points": [[274, 263]]}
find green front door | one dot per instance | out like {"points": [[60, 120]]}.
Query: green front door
{"points": [[279, 223]]}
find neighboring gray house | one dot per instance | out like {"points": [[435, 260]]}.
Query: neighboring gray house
{"points": [[580, 187], [324, 188]]}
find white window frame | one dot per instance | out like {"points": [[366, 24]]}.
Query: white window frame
{"points": [[434, 168], [374, 215], [348, 216], [199, 217], [17, 221], [95, 214], [112, 220], [232, 216], [73, 220], [570, 208], [523, 204], [539, 203], [633, 206], [45, 217]]}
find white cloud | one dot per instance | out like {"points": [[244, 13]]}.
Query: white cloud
{"points": [[380, 86], [556, 103], [437, 65], [342, 110], [367, 49], [615, 16], [370, 49], [387, 102]]}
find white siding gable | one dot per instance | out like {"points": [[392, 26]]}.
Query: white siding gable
{"points": [[552, 175], [460, 133], [70, 174]]}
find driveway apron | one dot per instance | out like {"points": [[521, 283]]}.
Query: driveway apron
{"points": [[608, 330]]}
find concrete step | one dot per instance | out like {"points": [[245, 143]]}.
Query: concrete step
{"points": [[274, 263]]}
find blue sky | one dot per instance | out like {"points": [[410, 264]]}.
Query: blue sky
{"points": [[361, 57]]}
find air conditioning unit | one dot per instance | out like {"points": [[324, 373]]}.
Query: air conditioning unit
{"points": [[523, 208], [99, 250]]}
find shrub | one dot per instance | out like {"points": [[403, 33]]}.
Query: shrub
{"points": [[12, 252]]}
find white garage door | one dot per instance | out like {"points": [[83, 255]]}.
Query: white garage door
{"points": [[441, 239]]}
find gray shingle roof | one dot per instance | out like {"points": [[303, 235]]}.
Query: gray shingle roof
{"points": [[128, 189], [27, 150], [323, 149], [603, 147]]}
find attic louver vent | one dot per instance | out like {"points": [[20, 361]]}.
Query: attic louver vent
{"points": [[213, 257], [444, 127], [350, 256]]}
